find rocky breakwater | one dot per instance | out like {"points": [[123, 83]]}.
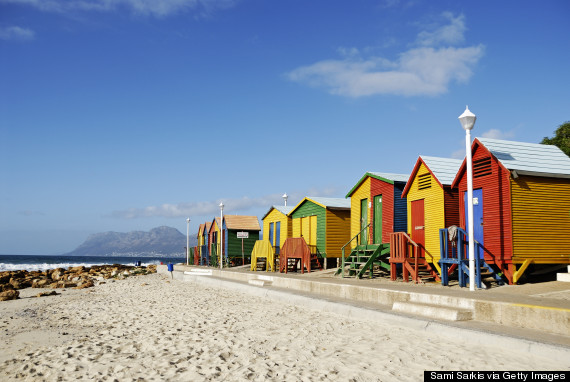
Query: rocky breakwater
{"points": [[73, 277]]}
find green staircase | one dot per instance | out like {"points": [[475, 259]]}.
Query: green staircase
{"points": [[363, 258]]}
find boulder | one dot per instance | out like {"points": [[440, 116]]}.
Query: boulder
{"points": [[9, 295]]}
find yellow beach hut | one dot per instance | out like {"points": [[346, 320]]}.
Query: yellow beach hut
{"points": [[324, 223], [277, 226], [432, 204]]}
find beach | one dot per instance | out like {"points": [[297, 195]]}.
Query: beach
{"points": [[154, 328]]}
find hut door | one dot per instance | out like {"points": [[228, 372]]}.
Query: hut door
{"points": [[363, 220], [477, 218], [418, 223], [271, 233], [313, 233], [277, 237], [378, 219]]}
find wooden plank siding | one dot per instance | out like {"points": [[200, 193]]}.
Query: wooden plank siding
{"points": [[400, 208], [378, 187], [234, 244], [362, 192], [307, 209], [451, 206], [338, 224], [497, 216], [286, 225], [434, 213], [541, 219]]}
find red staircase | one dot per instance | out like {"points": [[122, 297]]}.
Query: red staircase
{"points": [[403, 250]]}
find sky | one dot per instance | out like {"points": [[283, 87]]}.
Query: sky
{"points": [[124, 115]]}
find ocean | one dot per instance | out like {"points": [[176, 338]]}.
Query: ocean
{"points": [[41, 263]]}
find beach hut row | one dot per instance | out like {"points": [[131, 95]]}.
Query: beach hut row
{"points": [[413, 225]]}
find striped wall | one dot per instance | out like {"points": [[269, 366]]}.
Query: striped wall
{"points": [[434, 213], [378, 187], [307, 209], [400, 208], [541, 219], [286, 225], [362, 192], [337, 231], [497, 216]]}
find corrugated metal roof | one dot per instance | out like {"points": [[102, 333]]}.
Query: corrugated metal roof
{"points": [[331, 202], [384, 176], [529, 158], [392, 177], [444, 169], [283, 209], [242, 222]]}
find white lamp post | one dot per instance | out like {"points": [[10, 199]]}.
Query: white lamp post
{"points": [[467, 120], [188, 241], [221, 232], [285, 196]]}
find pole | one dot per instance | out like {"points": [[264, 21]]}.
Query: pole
{"points": [[188, 241], [471, 229], [221, 232]]}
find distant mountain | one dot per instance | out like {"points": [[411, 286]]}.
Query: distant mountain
{"points": [[166, 241]]}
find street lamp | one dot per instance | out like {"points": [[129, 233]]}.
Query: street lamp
{"points": [[467, 120], [188, 241], [221, 232], [285, 196]]}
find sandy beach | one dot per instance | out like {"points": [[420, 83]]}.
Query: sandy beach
{"points": [[152, 328]]}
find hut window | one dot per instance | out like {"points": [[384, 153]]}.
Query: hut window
{"points": [[481, 167], [424, 181]]}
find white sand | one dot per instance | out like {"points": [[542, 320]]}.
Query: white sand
{"points": [[154, 328]]}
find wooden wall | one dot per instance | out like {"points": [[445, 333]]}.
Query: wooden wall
{"points": [[362, 192], [434, 213], [541, 219], [338, 224]]}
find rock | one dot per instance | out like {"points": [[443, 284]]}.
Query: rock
{"points": [[43, 294], [44, 283], [86, 284], [9, 295], [79, 269], [5, 287]]}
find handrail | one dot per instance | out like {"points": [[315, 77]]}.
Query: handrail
{"points": [[344, 246]]}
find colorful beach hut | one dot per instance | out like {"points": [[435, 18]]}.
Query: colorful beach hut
{"points": [[204, 248], [277, 226], [240, 234], [324, 223], [521, 204], [376, 210], [432, 204], [214, 238]]}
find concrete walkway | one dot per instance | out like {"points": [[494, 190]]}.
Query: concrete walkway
{"points": [[530, 315]]}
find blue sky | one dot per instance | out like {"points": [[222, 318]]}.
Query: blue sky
{"points": [[121, 115]]}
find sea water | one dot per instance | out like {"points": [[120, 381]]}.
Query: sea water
{"points": [[41, 263]]}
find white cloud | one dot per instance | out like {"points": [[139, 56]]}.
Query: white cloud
{"points": [[157, 8], [423, 70], [212, 208], [498, 134], [452, 33], [15, 33]]}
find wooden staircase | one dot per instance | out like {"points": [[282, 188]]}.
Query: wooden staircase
{"points": [[363, 258], [404, 251], [454, 257]]}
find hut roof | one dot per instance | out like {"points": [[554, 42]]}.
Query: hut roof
{"points": [[442, 169], [250, 223], [283, 209], [384, 176], [325, 203], [529, 158]]}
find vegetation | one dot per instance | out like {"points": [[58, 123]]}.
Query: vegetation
{"points": [[561, 138]]}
